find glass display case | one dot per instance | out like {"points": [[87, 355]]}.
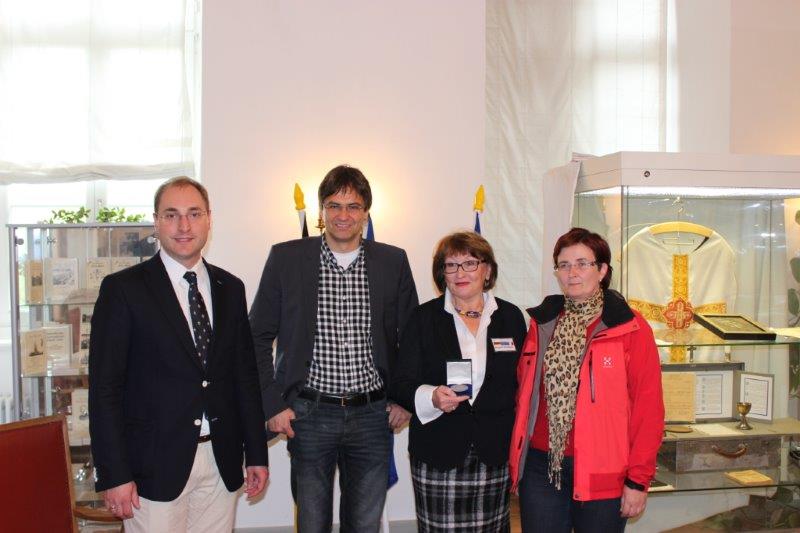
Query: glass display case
{"points": [[716, 236], [56, 271]]}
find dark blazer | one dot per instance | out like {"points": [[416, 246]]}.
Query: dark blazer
{"points": [[148, 389], [428, 342], [285, 307]]}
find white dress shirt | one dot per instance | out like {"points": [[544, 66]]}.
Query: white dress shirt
{"points": [[472, 347], [175, 271]]}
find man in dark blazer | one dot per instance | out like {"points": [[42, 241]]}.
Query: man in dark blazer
{"points": [[336, 305], [174, 404]]}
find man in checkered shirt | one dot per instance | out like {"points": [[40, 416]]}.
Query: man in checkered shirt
{"points": [[336, 305]]}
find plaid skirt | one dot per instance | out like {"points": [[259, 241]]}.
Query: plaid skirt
{"points": [[469, 498]]}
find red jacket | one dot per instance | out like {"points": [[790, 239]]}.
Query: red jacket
{"points": [[619, 417]]}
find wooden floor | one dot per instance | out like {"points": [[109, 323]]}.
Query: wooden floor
{"points": [[515, 527]]}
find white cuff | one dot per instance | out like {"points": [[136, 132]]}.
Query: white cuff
{"points": [[423, 402]]}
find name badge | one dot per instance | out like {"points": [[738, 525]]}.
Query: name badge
{"points": [[504, 345]]}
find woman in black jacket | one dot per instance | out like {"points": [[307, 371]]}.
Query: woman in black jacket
{"points": [[459, 434]]}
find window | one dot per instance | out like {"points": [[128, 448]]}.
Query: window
{"points": [[96, 90]]}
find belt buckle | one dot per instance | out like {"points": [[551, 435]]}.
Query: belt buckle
{"points": [[343, 401]]}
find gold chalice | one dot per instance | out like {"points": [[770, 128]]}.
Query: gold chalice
{"points": [[743, 408]]}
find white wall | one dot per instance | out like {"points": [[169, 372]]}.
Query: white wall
{"points": [[765, 76], [734, 78], [698, 83], [293, 88]]}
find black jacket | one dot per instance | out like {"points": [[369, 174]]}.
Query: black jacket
{"points": [[146, 386], [285, 307], [429, 341]]}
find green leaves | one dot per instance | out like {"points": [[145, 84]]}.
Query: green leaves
{"points": [[794, 263], [64, 216], [81, 216], [117, 214]]}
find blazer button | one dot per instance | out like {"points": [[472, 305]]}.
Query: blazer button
{"points": [[197, 422]]}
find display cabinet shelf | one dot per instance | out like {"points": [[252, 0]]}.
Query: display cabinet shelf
{"points": [[56, 272]]}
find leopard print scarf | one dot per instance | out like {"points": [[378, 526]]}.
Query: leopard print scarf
{"points": [[562, 370]]}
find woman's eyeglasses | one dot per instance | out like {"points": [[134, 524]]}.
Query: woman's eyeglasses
{"points": [[581, 266], [470, 265]]}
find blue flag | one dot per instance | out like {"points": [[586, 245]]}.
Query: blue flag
{"points": [[393, 477], [370, 229]]}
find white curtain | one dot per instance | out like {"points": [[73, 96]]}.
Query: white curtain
{"points": [[96, 89], [561, 77]]}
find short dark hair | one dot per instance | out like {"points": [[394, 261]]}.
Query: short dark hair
{"points": [[593, 241], [180, 181], [344, 178], [467, 243]]}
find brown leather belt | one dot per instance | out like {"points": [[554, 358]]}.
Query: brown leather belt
{"points": [[343, 400], [204, 438]]}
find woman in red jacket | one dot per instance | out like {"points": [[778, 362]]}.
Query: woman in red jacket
{"points": [[590, 414]]}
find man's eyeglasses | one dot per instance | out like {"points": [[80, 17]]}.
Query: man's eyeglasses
{"points": [[173, 217], [351, 209], [470, 265], [581, 266]]}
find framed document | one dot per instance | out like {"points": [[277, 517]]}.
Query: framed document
{"points": [[758, 390], [734, 327], [705, 388], [714, 395]]}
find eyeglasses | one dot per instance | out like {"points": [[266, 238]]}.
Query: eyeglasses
{"points": [[351, 209], [173, 217], [581, 265], [470, 265]]}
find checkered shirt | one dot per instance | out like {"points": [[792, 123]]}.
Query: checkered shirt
{"points": [[342, 361]]}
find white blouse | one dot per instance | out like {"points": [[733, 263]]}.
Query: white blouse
{"points": [[472, 347]]}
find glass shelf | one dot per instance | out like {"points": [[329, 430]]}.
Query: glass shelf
{"points": [[82, 370], [693, 337], [696, 481], [76, 301]]}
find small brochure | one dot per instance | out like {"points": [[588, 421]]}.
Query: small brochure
{"points": [[121, 263], [80, 414], [33, 356], [61, 278], [750, 478], [34, 282], [96, 269]]}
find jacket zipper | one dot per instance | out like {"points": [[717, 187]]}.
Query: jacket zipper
{"points": [[591, 376]]}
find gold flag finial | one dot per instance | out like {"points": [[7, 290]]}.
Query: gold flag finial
{"points": [[479, 197], [299, 202]]}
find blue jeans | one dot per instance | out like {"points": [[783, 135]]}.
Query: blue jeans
{"points": [[357, 440], [543, 508]]}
